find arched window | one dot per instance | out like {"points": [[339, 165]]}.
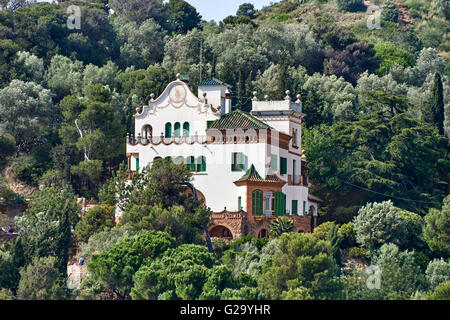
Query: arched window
{"points": [[168, 130], [168, 159], [186, 128], [177, 130], [178, 160], [147, 131], [280, 204], [190, 163], [263, 234], [156, 158], [201, 164], [257, 202]]}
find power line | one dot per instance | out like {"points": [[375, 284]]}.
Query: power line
{"points": [[389, 196]]}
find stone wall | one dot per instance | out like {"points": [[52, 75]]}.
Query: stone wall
{"points": [[242, 224]]}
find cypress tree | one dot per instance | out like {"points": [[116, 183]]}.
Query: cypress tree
{"points": [[240, 89], [334, 241], [437, 103], [63, 242], [18, 261], [283, 78]]}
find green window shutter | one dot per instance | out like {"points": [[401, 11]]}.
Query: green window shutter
{"points": [[137, 164], [239, 203], [280, 204], [177, 129], [168, 130], [209, 123], [233, 161], [273, 163], [304, 208], [186, 128], [283, 165], [257, 205], [237, 161], [201, 164], [191, 163], [294, 207]]}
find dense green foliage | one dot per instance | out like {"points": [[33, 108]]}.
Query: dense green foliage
{"points": [[93, 221], [375, 131]]}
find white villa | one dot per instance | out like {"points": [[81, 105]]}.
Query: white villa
{"points": [[248, 167]]}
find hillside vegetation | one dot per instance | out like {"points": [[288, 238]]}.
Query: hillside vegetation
{"points": [[376, 134]]}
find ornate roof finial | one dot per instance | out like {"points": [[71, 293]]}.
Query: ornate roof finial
{"points": [[255, 98], [178, 76], [152, 97], [299, 98], [287, 95], [138, 110], [204, 97], [266, 97]]}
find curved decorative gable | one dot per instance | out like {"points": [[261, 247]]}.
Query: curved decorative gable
{"points": [[177, 95]]}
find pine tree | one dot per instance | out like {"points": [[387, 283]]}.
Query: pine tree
{"points": [[437, 103]]}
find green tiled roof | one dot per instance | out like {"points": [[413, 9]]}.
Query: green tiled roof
{"points": [[253, 175], [238, 120], [213, 82]]}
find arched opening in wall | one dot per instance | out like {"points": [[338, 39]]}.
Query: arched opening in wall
{"points": [[263, 234], [168, 133], [147, 131], [190, 163], [177, 130], [200, 195], [179, 160], [312, 215], [186, 129], [201, 164], [169, 159], [156, 158], [221, 232]]}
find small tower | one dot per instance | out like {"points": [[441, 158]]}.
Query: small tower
{"points": [[216, 91]]}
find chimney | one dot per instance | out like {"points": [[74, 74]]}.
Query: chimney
{"points": [[227, 101]]}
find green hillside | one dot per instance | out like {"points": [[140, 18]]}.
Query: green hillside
{"points": [[376, 133]]}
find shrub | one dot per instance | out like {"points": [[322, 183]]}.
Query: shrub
{"points": [[282, 17], [389, 11], [438, 271], [442, 292], [25, 169], [421, 259], [347, 235], [322, 230], [380, 223], [357, 253], [96, 219], [350, 5]]}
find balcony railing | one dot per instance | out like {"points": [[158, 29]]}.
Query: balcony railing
{"points": [[157, 140], [298, 180]]}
